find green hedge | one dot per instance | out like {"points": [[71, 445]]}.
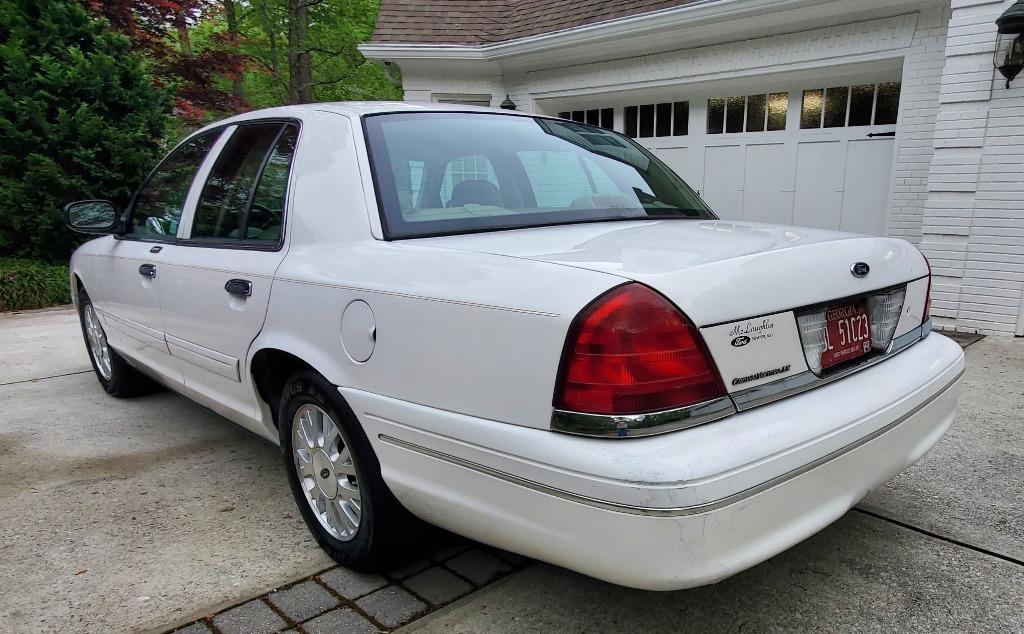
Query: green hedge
{"points": [[26, 284]]}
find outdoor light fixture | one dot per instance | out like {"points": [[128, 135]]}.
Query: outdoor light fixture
{"points": [[1009, 54], [508, 104]]}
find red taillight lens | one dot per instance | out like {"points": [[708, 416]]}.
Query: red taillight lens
{"points": [[928, 295], [632, 351]]}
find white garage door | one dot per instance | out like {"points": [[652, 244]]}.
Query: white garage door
{"points": [[814, 153]]}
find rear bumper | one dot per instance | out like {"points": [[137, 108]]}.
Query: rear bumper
{"points": [[678, 510]]}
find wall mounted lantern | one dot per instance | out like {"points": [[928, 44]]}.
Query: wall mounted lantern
{"points": [[508, 104], [1009, 54]]}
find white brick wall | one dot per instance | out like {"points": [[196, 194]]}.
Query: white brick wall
{"points": [[919, 104], [973, 221]]}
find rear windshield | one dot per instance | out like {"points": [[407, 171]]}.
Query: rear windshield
{"points": [[441, 173]]}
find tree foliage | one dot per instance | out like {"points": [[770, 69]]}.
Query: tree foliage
{"points": [[277, 38], [93, 91], [79, 118], [162, 30]]}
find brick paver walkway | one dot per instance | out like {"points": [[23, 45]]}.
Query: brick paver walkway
{"points": [[340, 601]]}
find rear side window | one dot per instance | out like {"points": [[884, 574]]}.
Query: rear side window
{"points": [[266, 212], [158, 204], [224, 202]]}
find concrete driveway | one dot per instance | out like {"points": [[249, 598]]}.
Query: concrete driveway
{"points": [[145, 514], [123, 515]]}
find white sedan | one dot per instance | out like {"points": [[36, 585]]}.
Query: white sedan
{"points": [[523, 329]]}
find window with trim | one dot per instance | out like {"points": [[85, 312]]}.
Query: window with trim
{"points": [[265, 220], [657, 120], [751, 113], [451, 172], [244, 196], [601, 117], [158, 204], [842, 106]]}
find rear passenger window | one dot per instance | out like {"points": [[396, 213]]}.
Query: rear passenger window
{"points": [[266, 213], [229, 195]]}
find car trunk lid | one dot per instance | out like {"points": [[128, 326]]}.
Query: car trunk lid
{"points": [[715, 271], [739, 282]]}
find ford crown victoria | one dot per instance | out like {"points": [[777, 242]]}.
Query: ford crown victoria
{"points": [[523, 329]]}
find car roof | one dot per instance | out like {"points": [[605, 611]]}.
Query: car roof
{"points": [[356, 109]]}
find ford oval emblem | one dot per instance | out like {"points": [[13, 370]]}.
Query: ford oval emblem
{"points": [[860, 269], [742, 340]]}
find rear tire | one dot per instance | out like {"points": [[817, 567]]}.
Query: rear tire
{"points": [[335, 477], [113, 372]]}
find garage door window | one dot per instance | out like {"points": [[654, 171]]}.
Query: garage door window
{"points": [[601, 117], [753, 113], [657, 120], [841, 106]]}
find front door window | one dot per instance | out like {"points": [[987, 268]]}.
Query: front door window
{"points": [[159, 203]]}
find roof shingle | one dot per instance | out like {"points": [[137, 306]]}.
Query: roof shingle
{"points": [[489, 21]]}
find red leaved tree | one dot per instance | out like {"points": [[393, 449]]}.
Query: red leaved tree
{"points": [[159, 29]]}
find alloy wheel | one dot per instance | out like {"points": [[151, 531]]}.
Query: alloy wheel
{"points": [[98, 343], [326, 471]]}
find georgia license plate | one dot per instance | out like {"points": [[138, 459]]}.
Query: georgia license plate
{"points": [[847, 333]]}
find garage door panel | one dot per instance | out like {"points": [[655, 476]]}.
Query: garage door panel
{"points": [[768, 183], [723, 180], [820, 173], [866, 190], [789, 149], [683, 163]]}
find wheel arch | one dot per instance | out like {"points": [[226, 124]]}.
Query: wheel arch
{"points": [[271, 366], [76, 287]]}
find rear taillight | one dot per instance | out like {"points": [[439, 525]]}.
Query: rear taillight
{"points": [[630, 352], [928, 294]]}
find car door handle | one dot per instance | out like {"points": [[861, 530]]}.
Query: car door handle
{"points": [[239, 287], [147, 270]]}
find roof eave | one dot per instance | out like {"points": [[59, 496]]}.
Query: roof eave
{"points": [[621, 28]]}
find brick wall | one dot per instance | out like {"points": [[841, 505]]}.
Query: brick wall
{"points": [[919, 104], [973, 221]]}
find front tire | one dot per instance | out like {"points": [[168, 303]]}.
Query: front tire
{"points": [[113, 372], [335, 476]]}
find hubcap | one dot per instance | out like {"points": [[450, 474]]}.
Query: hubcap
{"points": [[326, 472], [97, 343]]}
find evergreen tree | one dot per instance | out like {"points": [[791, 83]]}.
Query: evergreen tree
{"points": [[79, 118]]}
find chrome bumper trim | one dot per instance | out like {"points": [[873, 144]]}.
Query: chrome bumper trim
{"points": [[764, 394], [633, 425], [648, 511]]}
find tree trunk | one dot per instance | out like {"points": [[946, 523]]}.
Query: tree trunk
{"points": [[182, 26], [270, 29], [231, 17], [300, 71]]}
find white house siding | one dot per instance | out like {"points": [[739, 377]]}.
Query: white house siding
{"points": [[973, 229]]}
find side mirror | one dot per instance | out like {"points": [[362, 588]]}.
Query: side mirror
{"points": [[91, 216]]}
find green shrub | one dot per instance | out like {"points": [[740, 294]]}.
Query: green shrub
{"points": [[79, 118], [26, 284]]}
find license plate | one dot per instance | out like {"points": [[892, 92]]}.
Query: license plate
{"points": [[847, 333]]}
